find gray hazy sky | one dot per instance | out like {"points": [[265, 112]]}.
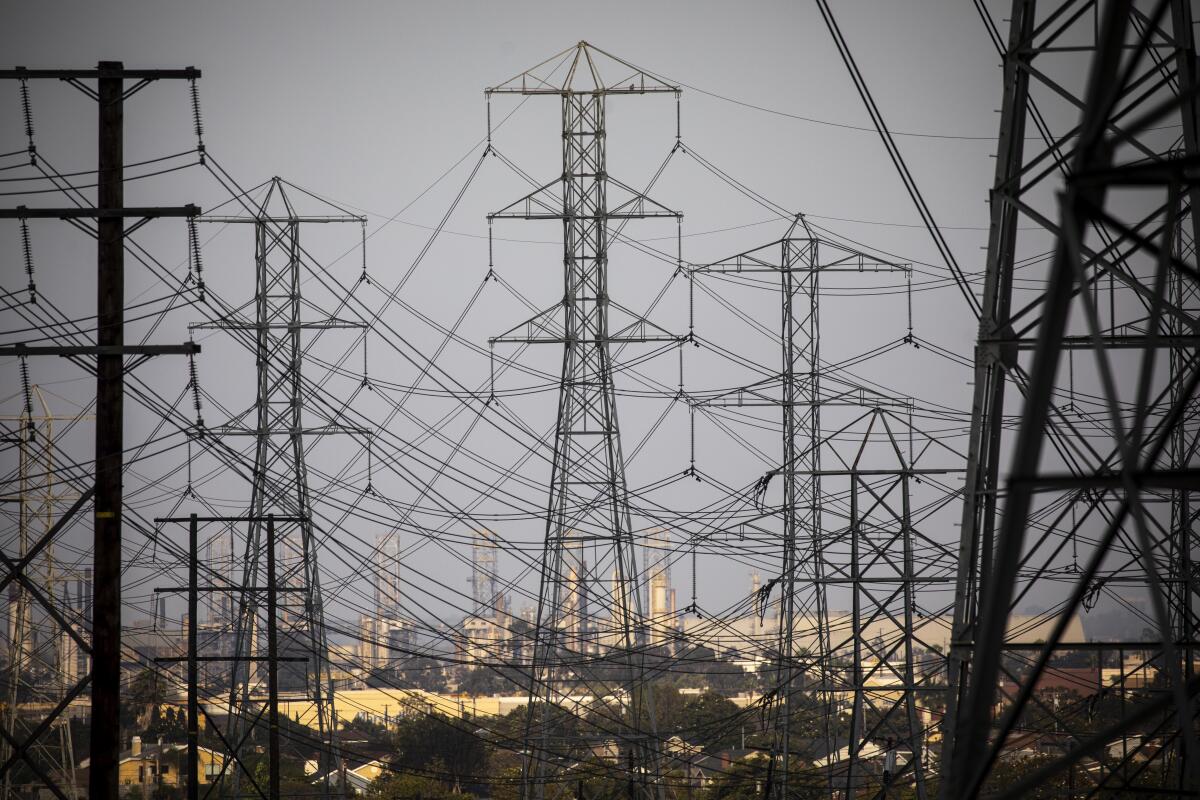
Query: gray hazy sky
{"points": [[368, 103]]}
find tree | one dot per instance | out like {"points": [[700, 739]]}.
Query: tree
{"points": [[454, 744], [405, 786], [747, 780], [668, 711], [144, 695], [487, 680], [703, 669], [424, 673], [1011, 770], [711, 721], [168, 724]]}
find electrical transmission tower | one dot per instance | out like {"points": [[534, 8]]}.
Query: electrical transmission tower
{"points": [[588, 512], [816, 553], [42, 660], [280, 482], [887, 669], [1098, 503]]}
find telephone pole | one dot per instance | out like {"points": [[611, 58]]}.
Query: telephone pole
{"points": [[110, 350], [193, 658]]}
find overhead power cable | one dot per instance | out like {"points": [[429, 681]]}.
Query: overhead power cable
{"points": [[889, 143]]}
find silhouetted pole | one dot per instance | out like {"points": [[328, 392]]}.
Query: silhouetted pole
{"points": [[110, 350], [110, 332], [272, 666], [193, 706]]}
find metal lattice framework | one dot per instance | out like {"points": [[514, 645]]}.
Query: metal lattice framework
{"points": [[588, 511], [1098, 501], [1082, 470], [887, 554], [280, 485], [43, 661], [819, 552]]}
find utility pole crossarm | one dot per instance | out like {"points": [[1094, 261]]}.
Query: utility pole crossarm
{"points": [[760, 394], [24, 73], [284, 220], [781, 255], [583, 76], [135, 212], [185, 349], [542, 203]]}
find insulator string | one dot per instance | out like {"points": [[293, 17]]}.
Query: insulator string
{"points": [[197, 120], [27, 253], [27, 111]]}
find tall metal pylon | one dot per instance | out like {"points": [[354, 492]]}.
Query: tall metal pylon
{"points": [[1098, 145], [280, 482], [40, 668], [800, 258], [588, 511], [898, 483]]}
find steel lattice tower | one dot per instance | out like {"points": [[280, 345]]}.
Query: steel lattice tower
{"points": [[1098, 500], [808, 565], [41, 659], [280, 482], [588, 509]]}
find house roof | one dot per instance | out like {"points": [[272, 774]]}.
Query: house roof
{"points": [[149, 751]]}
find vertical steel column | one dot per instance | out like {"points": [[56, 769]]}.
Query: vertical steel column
{"points": [[916, 744], [110, 316], [272, 666], [791, 492], [987, 407], [809, 461], [1185, 537], [800, 347], [856, 708]]}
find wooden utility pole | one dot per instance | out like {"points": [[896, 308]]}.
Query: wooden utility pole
{"points": [[193, 675], [110, 351], [110, 389]]}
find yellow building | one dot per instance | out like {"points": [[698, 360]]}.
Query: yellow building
{"points": [[162, 765]]}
